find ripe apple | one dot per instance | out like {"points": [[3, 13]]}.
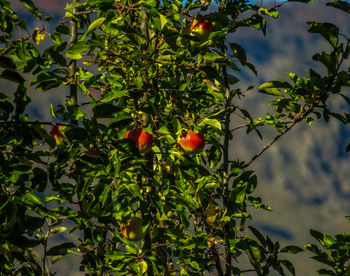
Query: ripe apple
{"points": [[133, 230], [57, 134], [142, 139], [201, 29], [192, 142]]}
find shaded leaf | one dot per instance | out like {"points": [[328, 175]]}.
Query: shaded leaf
{"points": [[61, 249], [291, 249], [339, 4]]}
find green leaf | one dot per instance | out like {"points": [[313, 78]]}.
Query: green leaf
{"points": [[115, 93], [291, 249], [5, 109], [120, 119], [12, 76], [341, 5], [32, 199], [212, 56], [75, 51], [347, 149], [3, 97], [76, 134], [31, 7], [257, 22], [271, 87], [163, 20], [138, 82], [58, 229], [328, 30], [115, 255], [61, 249], [330, 61], [270, 12], [323, 271], [93, 26], [52, 111], [239, 52], [105, 110], [288, 265], [317, 235], [63, 29], [258, 235], [7, 63], [339, 117], [211, 122]]}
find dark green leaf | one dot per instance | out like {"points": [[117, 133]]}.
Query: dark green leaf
{"points": [[24, 242], [5, 110], [12, 76], [239, 52], [76, 134], [292, 249], [339, 4], [258, 235], [105, 110], [317, 235], [127, 146], [7, 63], [61, 249], [288, 265], [63, 29], [31, 7], [323, 271], [328, 30]]}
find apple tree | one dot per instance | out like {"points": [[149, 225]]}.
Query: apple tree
{"points": [[135, 160]]}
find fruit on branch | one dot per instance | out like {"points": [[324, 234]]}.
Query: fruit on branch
{"points": [[57, 134], [192, 142], [143, 140], [201, 29], [133, 230]]}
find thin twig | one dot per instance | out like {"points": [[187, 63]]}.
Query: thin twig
{"points": [[238, 127], [34, 123], [295, 121]]}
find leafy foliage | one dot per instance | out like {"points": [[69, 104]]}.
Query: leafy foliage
{"points": [[150, 72]]}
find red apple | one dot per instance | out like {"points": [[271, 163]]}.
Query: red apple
{"points": [[133, 230], [57, 134], [192, 142], [201, 28], [142, 139]]}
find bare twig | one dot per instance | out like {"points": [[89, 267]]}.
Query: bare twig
{"points": [[238, 127], [34, 123], [294, 122]]}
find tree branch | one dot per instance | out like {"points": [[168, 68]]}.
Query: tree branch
{"points": [[294, 122]]}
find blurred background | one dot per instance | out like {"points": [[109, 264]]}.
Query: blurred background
{"points": [[304, 177]]}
